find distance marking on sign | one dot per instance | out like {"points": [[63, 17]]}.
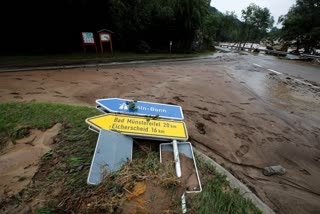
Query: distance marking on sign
{"points": [[143, 127]]}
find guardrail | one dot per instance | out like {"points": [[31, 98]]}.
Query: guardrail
{"points": [[305, 56], [310, 56]]}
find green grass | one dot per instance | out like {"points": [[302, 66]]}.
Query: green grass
{"points": [[75, 148], [77, 142], [92, 56], [217, 196], [43, 210], [16, 115]]}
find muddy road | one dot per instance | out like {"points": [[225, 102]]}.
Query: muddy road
{"points": [[237, 112]]}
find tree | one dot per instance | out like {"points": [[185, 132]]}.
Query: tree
{"points": [[257, 21], [190, 24], [230, 27], [273, 35], [221, 27], [302, 25]]}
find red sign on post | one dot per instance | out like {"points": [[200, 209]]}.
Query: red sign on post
{"points": [[88, 39], [105, 36]]}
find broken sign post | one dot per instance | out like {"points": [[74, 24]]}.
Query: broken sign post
{"points": [[140, 127], [176, 158], [141, 108], [184, 148]]}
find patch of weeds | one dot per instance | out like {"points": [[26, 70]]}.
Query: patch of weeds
{"points": [[153, 197], [17, 199], [217, 196], [77, 181], [43, 115], [132, 105], [215, 199], [152, 162], [48, 155], [43, 210], [75, 144], [112, 192], [55, 174], [113, 186], [6, 131], [21, 133], [167, 176], [22, 178], [149, 117], [205, 169], [3, 140], [75, 161]]}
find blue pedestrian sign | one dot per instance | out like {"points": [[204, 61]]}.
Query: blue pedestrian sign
{"points": [[117, 105]]}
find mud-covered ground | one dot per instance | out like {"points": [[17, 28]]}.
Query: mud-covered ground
{"points": [[242, 116]]}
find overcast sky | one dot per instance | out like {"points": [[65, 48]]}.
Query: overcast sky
{"points": [[276, 7]]}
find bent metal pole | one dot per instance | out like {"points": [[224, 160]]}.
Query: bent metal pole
{"points": [[176, 158]]}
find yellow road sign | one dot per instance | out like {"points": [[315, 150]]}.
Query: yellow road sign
{"points": [[140, 126]]}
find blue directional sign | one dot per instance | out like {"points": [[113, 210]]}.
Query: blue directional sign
{"points": [[117, 105]]}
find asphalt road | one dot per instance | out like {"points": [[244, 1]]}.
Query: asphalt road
{"points": [[299, 70], [287, 85]]}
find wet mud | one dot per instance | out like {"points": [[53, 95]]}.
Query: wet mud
{"points": [[19, 161], [235, 113]]}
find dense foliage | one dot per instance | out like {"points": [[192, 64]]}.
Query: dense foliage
{"points": [[301, 25], [257, 21], [138, 25]]}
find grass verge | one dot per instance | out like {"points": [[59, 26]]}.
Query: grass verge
{"points": [[60, 186], [217, 196], [74, 57]]}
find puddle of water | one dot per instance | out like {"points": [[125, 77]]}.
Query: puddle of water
{"points": [[291, 56], [257, 81]]}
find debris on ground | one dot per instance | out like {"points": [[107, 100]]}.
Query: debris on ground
{"points": [[274, 170]]}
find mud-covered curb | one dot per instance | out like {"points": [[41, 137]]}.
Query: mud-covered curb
{"points": [[97, 63], [235, 183]]}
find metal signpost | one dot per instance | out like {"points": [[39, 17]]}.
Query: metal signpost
{"points": [[116, 105], [140, 127], [186, 149], [99, 108]]}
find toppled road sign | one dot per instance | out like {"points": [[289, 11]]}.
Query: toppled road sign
{"points": [[112, 151], [141, 108], [140, 127]]}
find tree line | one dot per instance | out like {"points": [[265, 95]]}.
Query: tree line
{"points": [[301, 26], [150, 25]]}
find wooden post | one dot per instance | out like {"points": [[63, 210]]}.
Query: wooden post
{"points": [[105, 38]]}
